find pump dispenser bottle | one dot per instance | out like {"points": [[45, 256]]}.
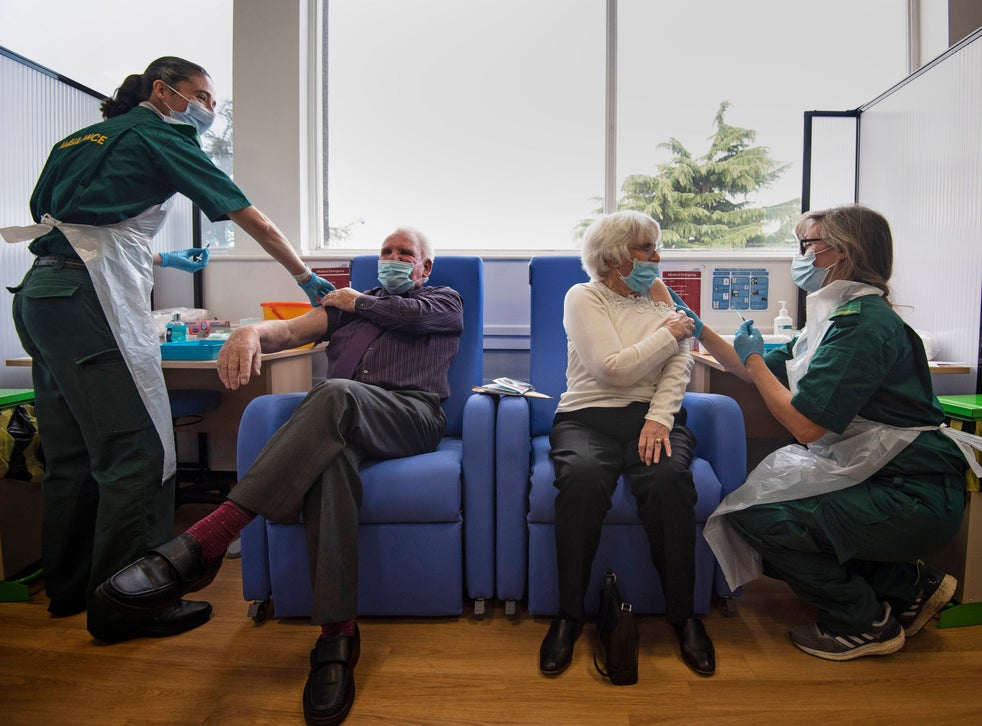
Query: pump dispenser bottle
{"points": [[177, 330], [782, 323]]}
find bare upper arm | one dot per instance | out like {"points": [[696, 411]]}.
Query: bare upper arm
{"points": [[658, 292]]}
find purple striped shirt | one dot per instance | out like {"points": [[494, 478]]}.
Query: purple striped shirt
{"points": [[420, 335]]}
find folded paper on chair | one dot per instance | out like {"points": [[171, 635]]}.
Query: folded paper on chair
{"points": [[510, 387]]}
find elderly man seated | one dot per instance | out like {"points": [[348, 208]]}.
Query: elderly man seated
{"points": [[390, 352]]}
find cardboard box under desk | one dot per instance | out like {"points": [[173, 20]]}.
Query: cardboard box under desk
{"points": [[20, 526], [963, 556]]}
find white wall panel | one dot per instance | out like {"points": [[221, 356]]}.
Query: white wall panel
{"points": [[38, 110], [921, 166]]}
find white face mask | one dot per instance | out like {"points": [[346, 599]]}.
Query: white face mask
{"points": [[196, 114]]}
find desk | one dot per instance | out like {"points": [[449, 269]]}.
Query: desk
{"points": [[285, 372], [764, 433]]}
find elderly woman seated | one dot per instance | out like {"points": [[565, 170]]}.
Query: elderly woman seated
{"points": [[621, 414]]}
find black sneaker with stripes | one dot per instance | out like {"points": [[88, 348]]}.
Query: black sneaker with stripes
{"points": [[934, 589], [882, 637]]}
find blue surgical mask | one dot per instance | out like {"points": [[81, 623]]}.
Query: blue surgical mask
{"points": [[806, 275], [642, 277], [196, 114], [393, 275]]}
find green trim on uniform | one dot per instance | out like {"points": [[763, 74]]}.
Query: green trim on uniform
{"points": [[853, 307]]}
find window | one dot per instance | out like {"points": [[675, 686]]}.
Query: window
{"points": [[482, 122], [760, 64], [479, 122]]}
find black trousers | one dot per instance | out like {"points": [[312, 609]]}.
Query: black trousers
{"points": [[310, 467], [591, 449]]}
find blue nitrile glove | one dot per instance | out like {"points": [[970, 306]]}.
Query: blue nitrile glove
{"points": [[680, 305], [748, 341], [316, 288], [190, 260]]}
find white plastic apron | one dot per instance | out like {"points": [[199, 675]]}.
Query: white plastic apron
{"points": [[120, 264], [834, 462]]}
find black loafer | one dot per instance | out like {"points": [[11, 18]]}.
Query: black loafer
{"points": [[330, 689], [160, 578], [113, 625], [697, 649], [556, 651]]}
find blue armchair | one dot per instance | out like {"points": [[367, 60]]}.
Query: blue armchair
{"points": [[525, 495], [427, 521]]}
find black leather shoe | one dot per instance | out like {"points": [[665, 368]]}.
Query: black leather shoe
{"points": [[556, 651], [113, 625], [160, 578], [697, 649], [330, 688]]}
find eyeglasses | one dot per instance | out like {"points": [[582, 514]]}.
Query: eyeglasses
{"points": [[648, 249], [809, 243]]}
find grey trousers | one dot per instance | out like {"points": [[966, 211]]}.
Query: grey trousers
{"points": [[310, 468]]}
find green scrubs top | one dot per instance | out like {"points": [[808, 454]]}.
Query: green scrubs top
{"points": [[871, 364], [117, 168]]}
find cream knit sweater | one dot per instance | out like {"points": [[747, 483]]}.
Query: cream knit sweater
{"points": [[619, 353]]}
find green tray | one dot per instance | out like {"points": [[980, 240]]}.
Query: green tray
{"points": [[13, 396], [967, 407]]}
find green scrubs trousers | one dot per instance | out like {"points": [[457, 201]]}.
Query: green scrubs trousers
{"points": [[848, 551], [104, 505]]}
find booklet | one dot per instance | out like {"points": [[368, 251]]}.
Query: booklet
{"points": [[510, 387]]}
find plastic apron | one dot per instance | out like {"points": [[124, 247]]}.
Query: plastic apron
{"points": [[833, 462], [120, 264]]}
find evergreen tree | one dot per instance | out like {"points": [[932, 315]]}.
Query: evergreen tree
{"points": [[217, 141], [704, 202]]}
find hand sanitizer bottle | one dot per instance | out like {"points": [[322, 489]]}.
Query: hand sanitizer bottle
{"points": [[782, 323], [177, 330]]}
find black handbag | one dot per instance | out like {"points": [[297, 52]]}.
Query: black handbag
{"points": [[617, 636]]}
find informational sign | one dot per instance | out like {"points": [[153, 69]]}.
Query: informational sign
{"points": [[339, 276], [688, 285], [740, 288]]}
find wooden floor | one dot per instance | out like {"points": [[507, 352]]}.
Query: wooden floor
{"points": [[469, 671]]}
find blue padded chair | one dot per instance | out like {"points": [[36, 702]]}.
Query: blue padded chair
{"points": [[526, 547], [427, 522]]}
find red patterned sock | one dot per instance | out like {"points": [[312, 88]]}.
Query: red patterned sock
{"points": [[344, 627], [220, 528]]}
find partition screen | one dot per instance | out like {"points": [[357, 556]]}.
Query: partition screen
{"points": [[920, 164]]}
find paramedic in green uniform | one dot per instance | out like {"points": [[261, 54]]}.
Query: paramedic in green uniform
{"points": [[102, 410], [845, 527]]}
